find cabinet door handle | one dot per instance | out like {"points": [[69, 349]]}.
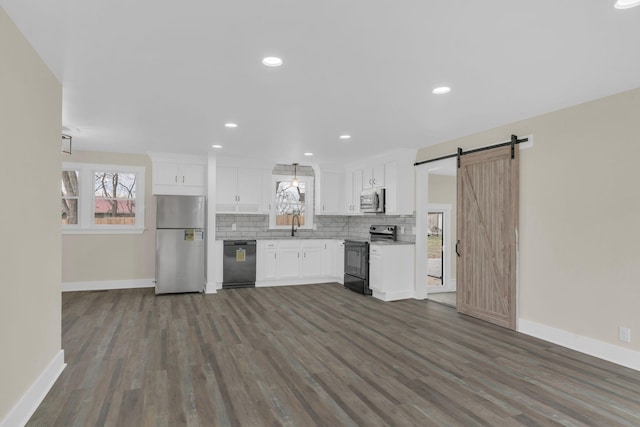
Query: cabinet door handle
{"points": [[275, 255], [322, 208], [238, 198], [183, 179], [176, 179], [305, 254], [458, 248], [298, 254]]}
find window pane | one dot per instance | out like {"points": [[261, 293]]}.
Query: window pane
{"points": [[69, 183], [290, 203], [70, 211], [111, 211], [115, 185]]}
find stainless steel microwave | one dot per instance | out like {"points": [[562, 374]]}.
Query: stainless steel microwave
{"points": [[372, 201]]}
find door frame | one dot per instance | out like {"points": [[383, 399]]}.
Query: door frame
{"points": [[421, 253], [422, 209], [449, 283]]}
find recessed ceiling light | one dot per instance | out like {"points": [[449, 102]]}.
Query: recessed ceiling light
{"points": [[441, 90], [345, 136], [272, 61], [231, 125], [308, 154], [626, 4], [216, 146]]}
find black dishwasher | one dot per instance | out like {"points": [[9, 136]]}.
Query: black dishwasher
{"points": [[239, 264]]}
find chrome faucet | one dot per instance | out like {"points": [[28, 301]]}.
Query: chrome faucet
{"points": [[293, 221]]}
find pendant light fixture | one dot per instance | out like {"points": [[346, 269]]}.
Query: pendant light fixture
{"points": [[295, 182]]}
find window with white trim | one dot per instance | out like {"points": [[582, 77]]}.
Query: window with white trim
{"points": [[102, 198], [292, 204]]}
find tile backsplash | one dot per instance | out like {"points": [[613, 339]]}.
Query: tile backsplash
{"points": [[328, 227]]}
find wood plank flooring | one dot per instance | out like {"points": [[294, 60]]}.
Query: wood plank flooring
{"points": [[446, 298], [316, 355]]}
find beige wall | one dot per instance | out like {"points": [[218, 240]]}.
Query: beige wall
{"points": [[442, 189], [579, 216], [100, 257], [30, 116]]}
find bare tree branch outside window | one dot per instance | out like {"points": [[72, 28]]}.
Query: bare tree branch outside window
{"points": [[70, 197], [290, 200], [115, 198]]}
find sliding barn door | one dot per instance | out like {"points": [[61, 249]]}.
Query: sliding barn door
{"points": [[487, 233]]}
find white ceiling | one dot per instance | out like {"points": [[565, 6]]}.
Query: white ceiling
{"points": [[163, 75]]}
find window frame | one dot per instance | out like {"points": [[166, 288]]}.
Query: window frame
{"points": [[309, 202], [86, 199]]}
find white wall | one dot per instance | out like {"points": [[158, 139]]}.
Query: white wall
{"points": [[579, 213], [30, 307]]}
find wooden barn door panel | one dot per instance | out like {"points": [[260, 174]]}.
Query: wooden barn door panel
{"points": [[487, 228]]}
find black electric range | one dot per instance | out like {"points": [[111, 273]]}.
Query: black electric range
{"points": [[356, 257]]}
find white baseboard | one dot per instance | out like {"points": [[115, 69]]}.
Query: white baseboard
{"points": [[29, 402], [393, 296], [100, 285], [212, 288], [602, 350], [298, 281]]}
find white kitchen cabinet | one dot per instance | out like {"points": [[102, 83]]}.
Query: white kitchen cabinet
{"points": [[269, 262], [339, 261], [373, 177], [329, 258], [289, 260], [400, 187], [391, 271], [238, 190], [353, 188], [375, 269], [177, 174], [296, 261], [268, 196], [311, 258], [331, 193]]}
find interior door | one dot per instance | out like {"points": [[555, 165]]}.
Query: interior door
{"points": [[487, 230]]}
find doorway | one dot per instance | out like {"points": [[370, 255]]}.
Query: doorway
{"points": [[435, 249]]}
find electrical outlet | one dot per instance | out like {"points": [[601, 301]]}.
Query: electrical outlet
{"points": [[233, 227], [624, 334]]}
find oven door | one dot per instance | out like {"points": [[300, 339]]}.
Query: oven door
{"points": [[356, 259]]}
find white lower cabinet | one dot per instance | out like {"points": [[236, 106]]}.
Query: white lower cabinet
{"points": [[312, 257], [391, 271], [267, 264], [339, 261], [289, 262]]}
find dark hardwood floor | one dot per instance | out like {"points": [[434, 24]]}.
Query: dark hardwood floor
{"points": [[316, 355]]}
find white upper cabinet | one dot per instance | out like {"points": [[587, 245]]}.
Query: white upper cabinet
{"points": [[393, 171], [353, 188], [373, 177], [239, 190], [331, 190], [177, 174], [400, 186]]}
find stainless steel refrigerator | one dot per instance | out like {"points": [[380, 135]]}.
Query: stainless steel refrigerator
{"points": [[180, 244]]}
